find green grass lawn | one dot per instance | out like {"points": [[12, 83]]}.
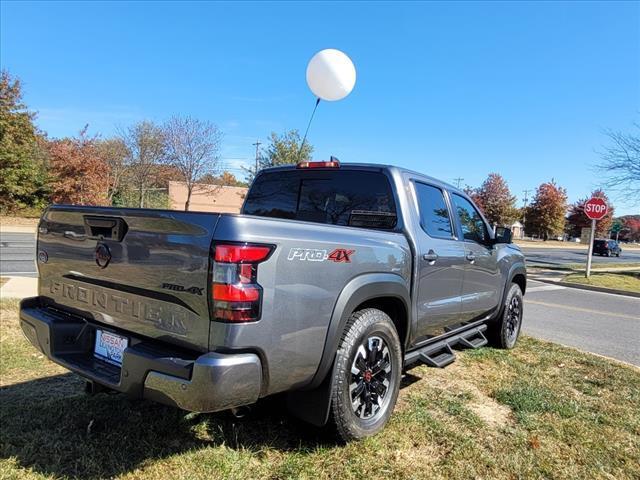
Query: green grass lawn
{"points": [[539, 411], [621, 281]]}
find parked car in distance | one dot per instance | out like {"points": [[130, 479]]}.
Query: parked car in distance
{"points": [[606, 248], [331, 283]]}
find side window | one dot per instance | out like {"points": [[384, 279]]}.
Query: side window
{"points": [[273, 195], [434, 215], [473, 227]]}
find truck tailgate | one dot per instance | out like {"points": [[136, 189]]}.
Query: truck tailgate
{"points": [[141, 271]]}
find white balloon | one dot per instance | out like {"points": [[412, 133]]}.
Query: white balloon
{"points": [[331, 75]]}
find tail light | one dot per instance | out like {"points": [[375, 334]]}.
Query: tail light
{"points": [[335, 163], [237, 296]]}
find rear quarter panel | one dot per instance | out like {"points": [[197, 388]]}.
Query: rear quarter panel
{"points": [[300, 288]]}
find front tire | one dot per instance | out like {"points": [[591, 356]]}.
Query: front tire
{"points": [[504, 333], [366, 375]]}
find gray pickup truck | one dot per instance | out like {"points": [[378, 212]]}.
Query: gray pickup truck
{"points": [[332, 281]]}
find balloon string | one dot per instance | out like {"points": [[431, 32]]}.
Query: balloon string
{"points": [[307, 131]]}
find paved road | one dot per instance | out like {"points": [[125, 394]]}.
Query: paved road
{"points": [[596, 322], [557, 256], [18, 254]]}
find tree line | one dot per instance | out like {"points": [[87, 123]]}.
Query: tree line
{"points": [[123, 170], [549, 214], [127, 168]]}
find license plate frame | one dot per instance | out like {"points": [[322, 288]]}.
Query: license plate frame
{"points": [[109, 347]]}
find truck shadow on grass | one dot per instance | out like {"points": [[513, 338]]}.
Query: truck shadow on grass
{"points": [[50, 426]]}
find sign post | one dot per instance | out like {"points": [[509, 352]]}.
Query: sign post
{"points": [[595, 208]]}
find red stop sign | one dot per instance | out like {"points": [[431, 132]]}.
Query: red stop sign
{"points": [[595, 208]]}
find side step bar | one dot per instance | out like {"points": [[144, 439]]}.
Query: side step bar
{"points": [[438, 358], [439, 354], [474, 341]]}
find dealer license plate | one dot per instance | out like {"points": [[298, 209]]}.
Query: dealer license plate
{"points": [[109, 347]]}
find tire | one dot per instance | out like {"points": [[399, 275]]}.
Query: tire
{"points": [[608, 254], [369, 361], [504, 332]]}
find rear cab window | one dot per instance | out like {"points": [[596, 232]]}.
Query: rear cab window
{"points": [[357, 198]]}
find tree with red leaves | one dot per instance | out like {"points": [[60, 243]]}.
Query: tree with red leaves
{"points": [[546, 213], [577, 220], [495, 200], [80, 175], [630, 228]]}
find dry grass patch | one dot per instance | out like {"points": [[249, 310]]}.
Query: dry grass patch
{"points": [[540, 411]]}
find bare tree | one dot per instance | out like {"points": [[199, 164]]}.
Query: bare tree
{"points": [[114, 153], [193, 149], [622, 163], [145, 146]]}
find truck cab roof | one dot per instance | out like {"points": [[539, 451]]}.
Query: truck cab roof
{"points": [[392, 169]]}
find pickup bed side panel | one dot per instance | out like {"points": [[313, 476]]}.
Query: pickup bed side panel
{"points": [[301, 285]]}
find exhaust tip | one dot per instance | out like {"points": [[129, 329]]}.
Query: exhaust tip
{"points": [[240, 412]]}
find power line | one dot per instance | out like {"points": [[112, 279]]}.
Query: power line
{"points": [[458, 180]]}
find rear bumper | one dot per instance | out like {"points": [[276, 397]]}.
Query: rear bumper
{"points": [[196, 382]]}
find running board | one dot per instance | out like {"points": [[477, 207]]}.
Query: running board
{"points": [[439, 354], [476, 340], [438, 358]]}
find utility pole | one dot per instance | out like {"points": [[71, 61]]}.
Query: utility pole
{"points": [[458, 180], [257, 145], [524, 209]]}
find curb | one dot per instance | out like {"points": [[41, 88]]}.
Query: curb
{"points": [[592, 288]]}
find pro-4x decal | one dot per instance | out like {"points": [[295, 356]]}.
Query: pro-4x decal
{"points": [[339, 255]]}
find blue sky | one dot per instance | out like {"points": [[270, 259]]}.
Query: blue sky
{"points": [[448, 89]]}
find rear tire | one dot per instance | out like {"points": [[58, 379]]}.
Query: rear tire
{"points": [[505, 331], [366, 375]]}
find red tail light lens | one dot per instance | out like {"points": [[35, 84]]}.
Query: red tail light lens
{"points": [[237, 296], [242, 253], [235, 293]]}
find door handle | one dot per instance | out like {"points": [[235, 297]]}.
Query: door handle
{"points": [[430, 257], [471, 257]]}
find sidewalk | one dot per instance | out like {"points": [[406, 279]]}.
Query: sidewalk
{"points": [[18, 224], [19, 287], [18, 229]]}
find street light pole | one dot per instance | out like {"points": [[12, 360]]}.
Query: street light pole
{"points": [[524, 211], [257, 145]]}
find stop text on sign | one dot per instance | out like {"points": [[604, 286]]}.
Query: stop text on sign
{"points": [[595, 208]]}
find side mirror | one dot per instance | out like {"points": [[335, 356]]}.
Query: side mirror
{"points": [[503, 235]]}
